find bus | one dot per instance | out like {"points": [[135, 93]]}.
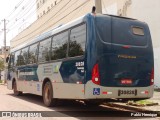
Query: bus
{"points": [[93, 58]]}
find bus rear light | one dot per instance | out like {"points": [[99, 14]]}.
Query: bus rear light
{"points": [[106, 93], [145, 92], [95, 75], [79, 82], [152, 77], [126, 46]]}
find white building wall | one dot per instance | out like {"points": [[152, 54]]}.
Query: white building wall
{"points": [[148, 11]]}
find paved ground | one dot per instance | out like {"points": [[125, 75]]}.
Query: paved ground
{"points": [[155, 99], [27, 102]]}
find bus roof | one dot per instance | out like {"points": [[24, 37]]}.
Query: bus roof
{"points": [[51, 32], [60, 28]]}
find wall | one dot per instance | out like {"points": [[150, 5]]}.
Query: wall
{"points": [[148, 11]]}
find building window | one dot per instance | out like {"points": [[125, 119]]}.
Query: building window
{"points": [[51, 5], [48, 8], [37, 5], [44, 12]]}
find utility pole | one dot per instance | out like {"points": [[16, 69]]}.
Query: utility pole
{"points": [[98, 5], [4, 39], [4, 49]]}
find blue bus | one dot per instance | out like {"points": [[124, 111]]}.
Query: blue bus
{"points": [[93, 58]]}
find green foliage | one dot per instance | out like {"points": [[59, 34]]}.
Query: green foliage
{"points": [[144, 102], [74, 50], [1, 65], [60, 52]]}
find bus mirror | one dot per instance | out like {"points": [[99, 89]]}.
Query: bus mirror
{"points": [[7, 59]]}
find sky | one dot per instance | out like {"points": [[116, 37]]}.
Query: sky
{"points": [[6, 7], [16, 22]]}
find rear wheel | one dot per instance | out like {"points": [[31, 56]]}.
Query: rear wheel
{"points": [[48, 95], [15, 91]]}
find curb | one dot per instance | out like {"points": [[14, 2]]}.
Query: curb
{"points": [[133, 108]]}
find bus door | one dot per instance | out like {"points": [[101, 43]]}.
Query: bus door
{"points": [[10, 71]]}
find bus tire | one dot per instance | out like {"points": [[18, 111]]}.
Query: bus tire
{"points": [[15, 91], [48, 95]]}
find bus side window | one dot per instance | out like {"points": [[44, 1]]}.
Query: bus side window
{"points": [[44, 50], [11, 61], [32, 54], [24, 56], [59, 46], [77, 41], [16, 61]]}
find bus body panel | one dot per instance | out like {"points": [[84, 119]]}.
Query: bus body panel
{"points": [[93, 91]]}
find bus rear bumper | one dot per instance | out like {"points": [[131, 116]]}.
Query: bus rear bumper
{"points": [[93, 91]]}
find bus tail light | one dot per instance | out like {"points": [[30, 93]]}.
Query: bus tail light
{"points": [[152, 77], [95, 74]]}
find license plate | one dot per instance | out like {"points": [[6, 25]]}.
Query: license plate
{"points": [[126, 81], [127, 92]]}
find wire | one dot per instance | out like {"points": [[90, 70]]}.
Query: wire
{"points": [[18, 20], [55, 22], [28, 16], [15, 8], [21, 15], [47, 20]]}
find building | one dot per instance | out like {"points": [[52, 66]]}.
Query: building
{"points": [[44, 6], [51, 13], [61, 13], [2, 50]]}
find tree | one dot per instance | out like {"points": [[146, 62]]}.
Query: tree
{"points": [[1, 67]]}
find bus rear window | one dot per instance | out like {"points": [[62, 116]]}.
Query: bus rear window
{"points": [[129, 32], [138, 30]]}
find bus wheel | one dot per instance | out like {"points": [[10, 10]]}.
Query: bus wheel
{"points": [[48, 95], [15, 91]]}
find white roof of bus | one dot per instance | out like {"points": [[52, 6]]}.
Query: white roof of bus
{"points": [[51, 32]]}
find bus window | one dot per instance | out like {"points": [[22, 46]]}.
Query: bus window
{"points": [[32, 54], [77, 41], [44, 49], [59, 46], [11, 61], [138, 30], [17, 60], [24, 56]]}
